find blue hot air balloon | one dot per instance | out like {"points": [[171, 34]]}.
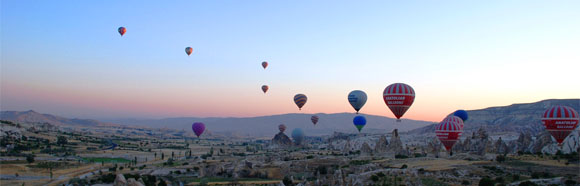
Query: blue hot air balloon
{"points": [[359, 122], [357, 99], [461, 114], [298, 135]]}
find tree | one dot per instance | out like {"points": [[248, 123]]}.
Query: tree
{"points": [[162, 156], [61, 140], [486, 181], [30, 158], [287, 181]]}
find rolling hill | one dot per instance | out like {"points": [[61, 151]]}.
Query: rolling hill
{"points": [[525, 117]]}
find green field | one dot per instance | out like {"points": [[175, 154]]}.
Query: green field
{"points": [[107, 160]]}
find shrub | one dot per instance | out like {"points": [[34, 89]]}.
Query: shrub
{"points": [[527, 183], [486, 181], [570, 182], [404, 166], [465, 182], [516, 177]]}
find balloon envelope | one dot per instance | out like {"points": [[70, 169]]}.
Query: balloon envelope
{"points": [[461, 114], [265, 88], [298, 135], [560, 121], [399, 97], [122, 30], [448, 131], [359, 122], [314, 119], [188, 50], [198, 128], [357, 99], [282, 127], [300, 100], [265, 64]]}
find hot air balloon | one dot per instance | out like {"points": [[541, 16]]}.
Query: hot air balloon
{"points": [[560, 121], [457, 120], [359, 122], [357, 99], [282, 128], [449, 130], [265, 88], [314, 119], [122, 30], [297, 135], [188, 50], [265, 64], [461, 114], [300, 100], [198, 128], [399, 97]]}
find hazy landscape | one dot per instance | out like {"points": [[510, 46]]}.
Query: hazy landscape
{"points": [[289, 93], [154, 151]]}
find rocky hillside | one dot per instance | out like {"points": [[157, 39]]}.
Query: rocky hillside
{"points": [[35, 117], [514, 118]]}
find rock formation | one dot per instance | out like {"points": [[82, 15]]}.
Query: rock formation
{"points": [[501, 147], [396, 146], [282, 140], [366, 149], [120, 180], [381, 146]]}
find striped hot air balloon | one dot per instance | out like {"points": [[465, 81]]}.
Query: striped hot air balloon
{"points": [[282, 127], [560, 121], [399, 97], [314, 119], [265, 64], [300, 100], [265, 88], [449, 131]]}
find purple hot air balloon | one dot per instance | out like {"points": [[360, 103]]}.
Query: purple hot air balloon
{"points": [[198, 128]]}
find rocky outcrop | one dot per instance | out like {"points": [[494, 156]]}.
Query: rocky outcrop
{"points": [[396, 146], [347, 148], [501, 147], [282, 140], [381, 146], [542, 140], [523, 143], [480, 143], [120, 180], [133, 182], [434, 147], [366, 149]]}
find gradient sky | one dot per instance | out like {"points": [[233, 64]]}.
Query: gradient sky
{"points": [[66, 57]]}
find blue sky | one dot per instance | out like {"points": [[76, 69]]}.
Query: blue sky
{"points": [[66, 57]]}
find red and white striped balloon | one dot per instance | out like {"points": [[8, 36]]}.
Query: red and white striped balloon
{"points": [[399, 97], [560, 121], [449, 131]]}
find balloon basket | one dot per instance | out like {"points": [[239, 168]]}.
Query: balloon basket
{"points": [[398, 120]]}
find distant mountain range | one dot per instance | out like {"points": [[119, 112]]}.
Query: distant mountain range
{"points": [[513, 118], [268, 125], [525, 117], [35, 117]]}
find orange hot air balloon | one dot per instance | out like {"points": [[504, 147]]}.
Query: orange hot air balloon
{"points": [[300, 100], [265, 64], [265, 88], [188, 50], [122, 30]]}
